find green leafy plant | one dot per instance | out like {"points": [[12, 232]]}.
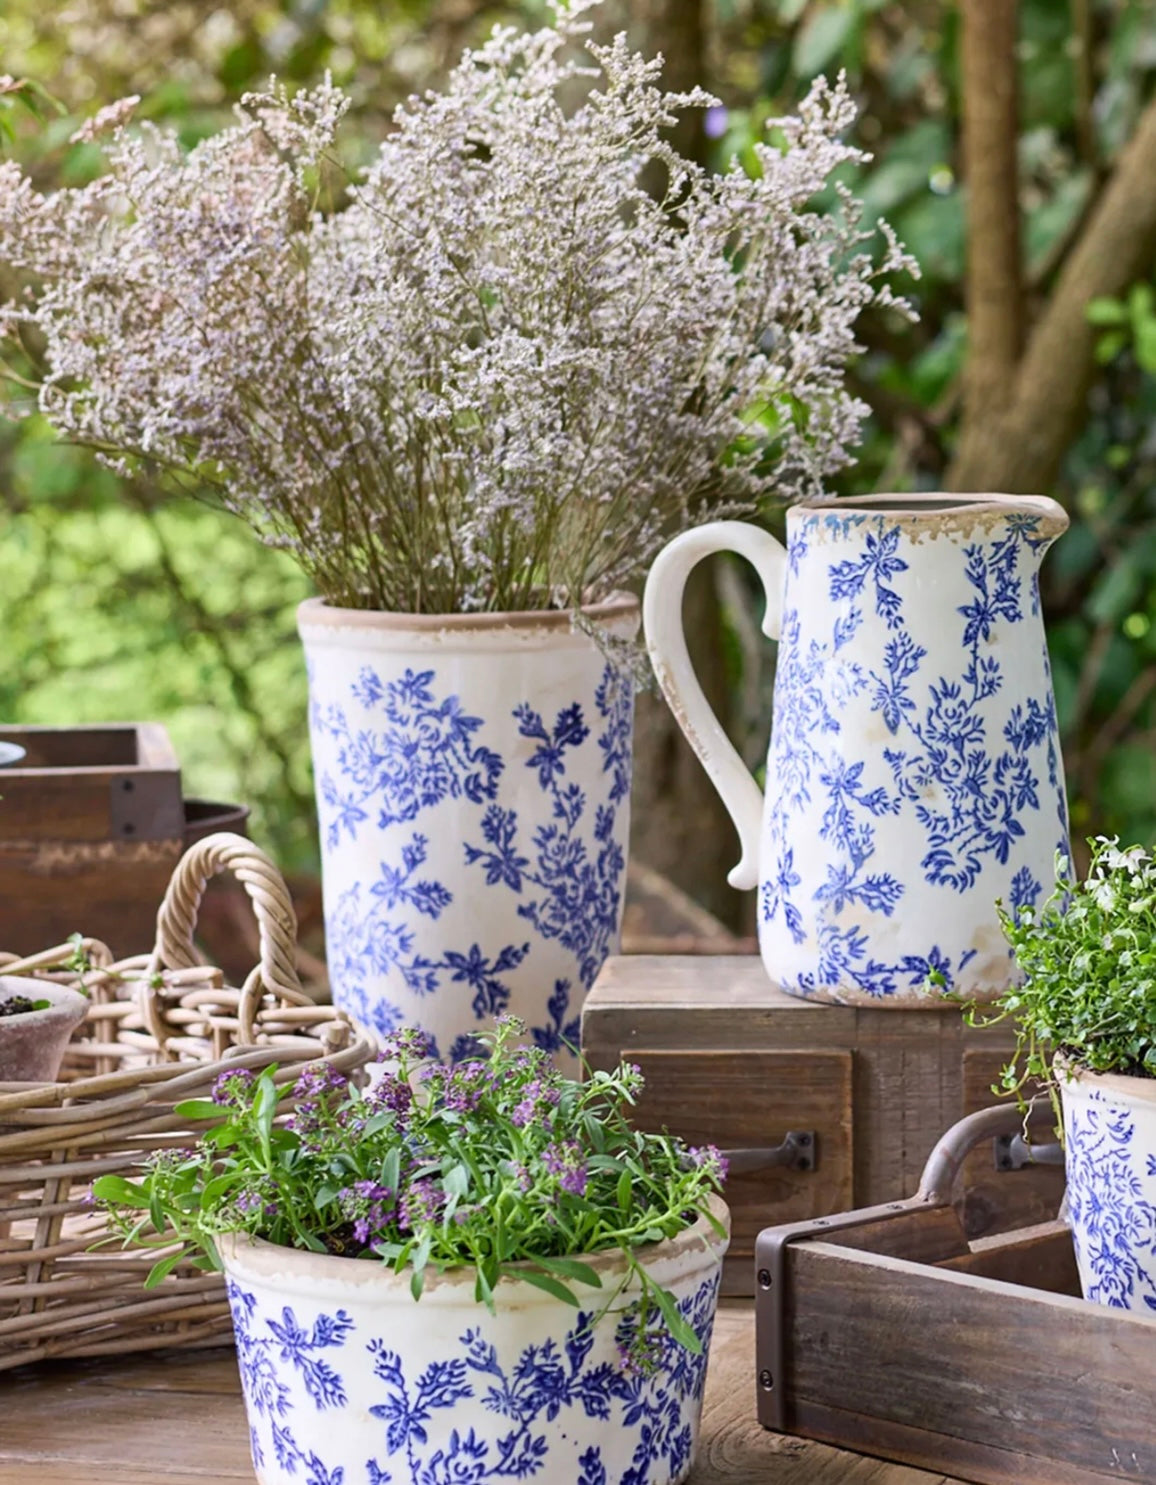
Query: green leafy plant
{"points": [[484, 1165], [1125, 322], [1088, 958]]}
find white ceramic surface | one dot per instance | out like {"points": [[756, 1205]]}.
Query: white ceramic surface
{"points": [[473, 787], [1110, 1157], [914, 773], [350, 1381]]}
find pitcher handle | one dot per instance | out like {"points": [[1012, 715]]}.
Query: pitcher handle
{"points": [[666, 642]]}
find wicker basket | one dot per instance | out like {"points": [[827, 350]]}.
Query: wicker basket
{"points": [[160, 1028]]}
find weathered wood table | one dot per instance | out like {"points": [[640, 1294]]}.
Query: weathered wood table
{"points": [[178, 1419]]}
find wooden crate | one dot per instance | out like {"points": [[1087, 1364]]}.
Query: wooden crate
{"points": [[91, 826], [889, 1332], [730, 1060]]}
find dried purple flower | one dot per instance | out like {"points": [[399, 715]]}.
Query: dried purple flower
{"points": [[699, 367]]}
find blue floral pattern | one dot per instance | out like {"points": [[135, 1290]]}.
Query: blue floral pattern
{"points": [[422, 1433], [1113, 1220], [403, 935], [959, 763]]}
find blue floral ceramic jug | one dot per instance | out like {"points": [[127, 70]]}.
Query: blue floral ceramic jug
{"points": [[914, 774]]}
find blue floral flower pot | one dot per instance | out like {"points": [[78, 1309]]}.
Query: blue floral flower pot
{"points": [[1110, 1156], [914, 774], [473, 788], [350, 1381]]}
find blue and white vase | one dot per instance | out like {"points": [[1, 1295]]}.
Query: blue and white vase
{"points": [[350, 1381], [914, 774], [1110, 1156], [473, 788]]}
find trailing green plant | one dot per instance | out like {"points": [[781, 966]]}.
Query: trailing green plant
{"points": [[1088, 958], [484, 1165]]}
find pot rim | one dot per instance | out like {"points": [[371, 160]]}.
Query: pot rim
{"points": [[921, 505], [1122, 1085], [247, 1258], [316, 613], [65, 1003]]}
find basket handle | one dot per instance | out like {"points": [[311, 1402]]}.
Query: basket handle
{"points": [[177, 920]]}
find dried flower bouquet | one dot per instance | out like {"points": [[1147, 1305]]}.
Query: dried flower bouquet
{"points": [[499, 374]]}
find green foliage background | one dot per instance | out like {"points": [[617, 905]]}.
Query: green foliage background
{"points": [[119, 602]]}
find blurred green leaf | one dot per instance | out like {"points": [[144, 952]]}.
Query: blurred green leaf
{"points": [[1106, 312], [823, 34], [1116, 592]]}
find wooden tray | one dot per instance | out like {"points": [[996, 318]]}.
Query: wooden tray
{"points": [[887, 1332]]}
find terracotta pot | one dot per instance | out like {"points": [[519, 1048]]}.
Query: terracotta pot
{"points": [[32, 1044], [347, 1377]]}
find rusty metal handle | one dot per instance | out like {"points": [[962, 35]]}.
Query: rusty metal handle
{"points": [[797, 1152], [1003, 1121]]}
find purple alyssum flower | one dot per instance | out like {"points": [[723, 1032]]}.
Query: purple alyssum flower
{"points": [[232, 1089], [565, 1161], [423, 1201]]}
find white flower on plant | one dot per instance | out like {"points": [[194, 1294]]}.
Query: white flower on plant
{"points": [[501, 375], [1103, 893], [1133, 860]]}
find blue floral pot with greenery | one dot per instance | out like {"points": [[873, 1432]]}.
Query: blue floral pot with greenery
{"points": [[1087, 1029], [454, 1276]]}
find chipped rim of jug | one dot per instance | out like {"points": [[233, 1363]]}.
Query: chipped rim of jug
{"points": [[944, 510]]}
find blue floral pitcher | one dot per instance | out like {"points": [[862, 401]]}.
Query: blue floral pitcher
{"points": [[914, 774]]}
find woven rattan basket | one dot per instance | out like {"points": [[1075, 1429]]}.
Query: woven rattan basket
{"points": [[160, 1029]]}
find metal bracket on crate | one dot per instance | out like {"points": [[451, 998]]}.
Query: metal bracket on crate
{"points": [[1013, 1152], [798, 1151]]}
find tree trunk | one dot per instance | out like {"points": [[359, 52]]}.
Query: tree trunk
{"points": [[994, 291], [679, 826], [1020, 449]]}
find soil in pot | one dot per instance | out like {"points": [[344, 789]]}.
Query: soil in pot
{"points": [[33, 1036]]}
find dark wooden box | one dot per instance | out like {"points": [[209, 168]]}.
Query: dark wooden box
{"points": [[888, 1331], [732, 1061], [91, 825]]}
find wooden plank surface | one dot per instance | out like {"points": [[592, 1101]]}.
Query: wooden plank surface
{"points": [[178, 1419]]}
